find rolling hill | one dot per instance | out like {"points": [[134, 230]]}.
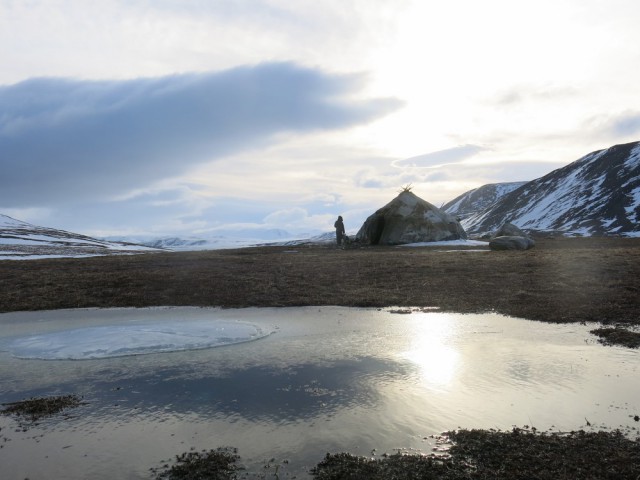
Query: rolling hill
{"points": [[22, 240]]}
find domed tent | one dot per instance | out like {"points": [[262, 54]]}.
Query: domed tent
{"points": [[409, 219]]}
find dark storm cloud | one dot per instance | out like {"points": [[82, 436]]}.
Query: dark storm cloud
{"points": [[64, 139]]}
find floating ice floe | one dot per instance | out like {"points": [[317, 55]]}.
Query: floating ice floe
{"points": [[122, 340]]}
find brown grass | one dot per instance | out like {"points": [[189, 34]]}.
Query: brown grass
{"points": [[560, 280]]}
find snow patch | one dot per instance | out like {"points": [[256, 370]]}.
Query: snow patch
{"points": [[449, 243], [634, 158], [635, 195]]}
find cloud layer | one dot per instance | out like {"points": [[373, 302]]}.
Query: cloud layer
{"points": [[62, 137], [440, 158], [257, 138]]}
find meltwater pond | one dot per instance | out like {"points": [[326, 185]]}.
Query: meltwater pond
{"points": [[292, 384]]}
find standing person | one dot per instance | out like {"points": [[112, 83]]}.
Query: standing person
{"points": [[339, 230]]}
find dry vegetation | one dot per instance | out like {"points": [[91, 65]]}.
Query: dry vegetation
{"points": [[560, 280]]}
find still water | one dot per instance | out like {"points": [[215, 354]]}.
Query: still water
{"points": [[301, 382]]}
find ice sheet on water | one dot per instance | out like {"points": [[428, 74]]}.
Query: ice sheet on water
{"points": [[134, 339]]}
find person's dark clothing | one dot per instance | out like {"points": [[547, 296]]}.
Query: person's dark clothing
{"points": [[339, 230]]}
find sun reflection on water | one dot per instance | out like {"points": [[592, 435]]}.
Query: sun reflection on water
{"points": [[432, 349]]}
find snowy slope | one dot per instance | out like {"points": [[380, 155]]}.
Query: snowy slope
{"points": [[479, 199], [22, 240], [599, 194], [220, 239], [187, 243]]}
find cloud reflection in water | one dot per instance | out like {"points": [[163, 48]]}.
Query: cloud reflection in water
{"points": [[257, 393]]}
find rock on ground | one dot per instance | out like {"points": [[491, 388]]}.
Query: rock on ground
{"points": [[511, 243]]}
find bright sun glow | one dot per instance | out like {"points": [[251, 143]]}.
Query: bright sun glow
{"points": [[432, 351]]}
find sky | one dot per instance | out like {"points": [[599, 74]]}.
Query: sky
{"points": [[239, 117]]}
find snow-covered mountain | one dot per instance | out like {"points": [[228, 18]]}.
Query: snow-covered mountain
{"points": [[479, 199], [598, 194], [22, 240]]}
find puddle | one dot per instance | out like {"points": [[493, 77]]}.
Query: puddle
{"points": [[329, 379]]}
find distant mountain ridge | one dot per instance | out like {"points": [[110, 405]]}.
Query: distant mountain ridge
{"points": [[22, 240], [231, 238], [598, 194], [479, 199]]}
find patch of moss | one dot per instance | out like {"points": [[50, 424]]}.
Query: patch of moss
{"points": [[617, 336], [341, 466], [525, 454], [38, 407], [488, 454], [219, 464]]}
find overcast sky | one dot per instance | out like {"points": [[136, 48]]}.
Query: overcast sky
{"points": [[193, 117]]}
